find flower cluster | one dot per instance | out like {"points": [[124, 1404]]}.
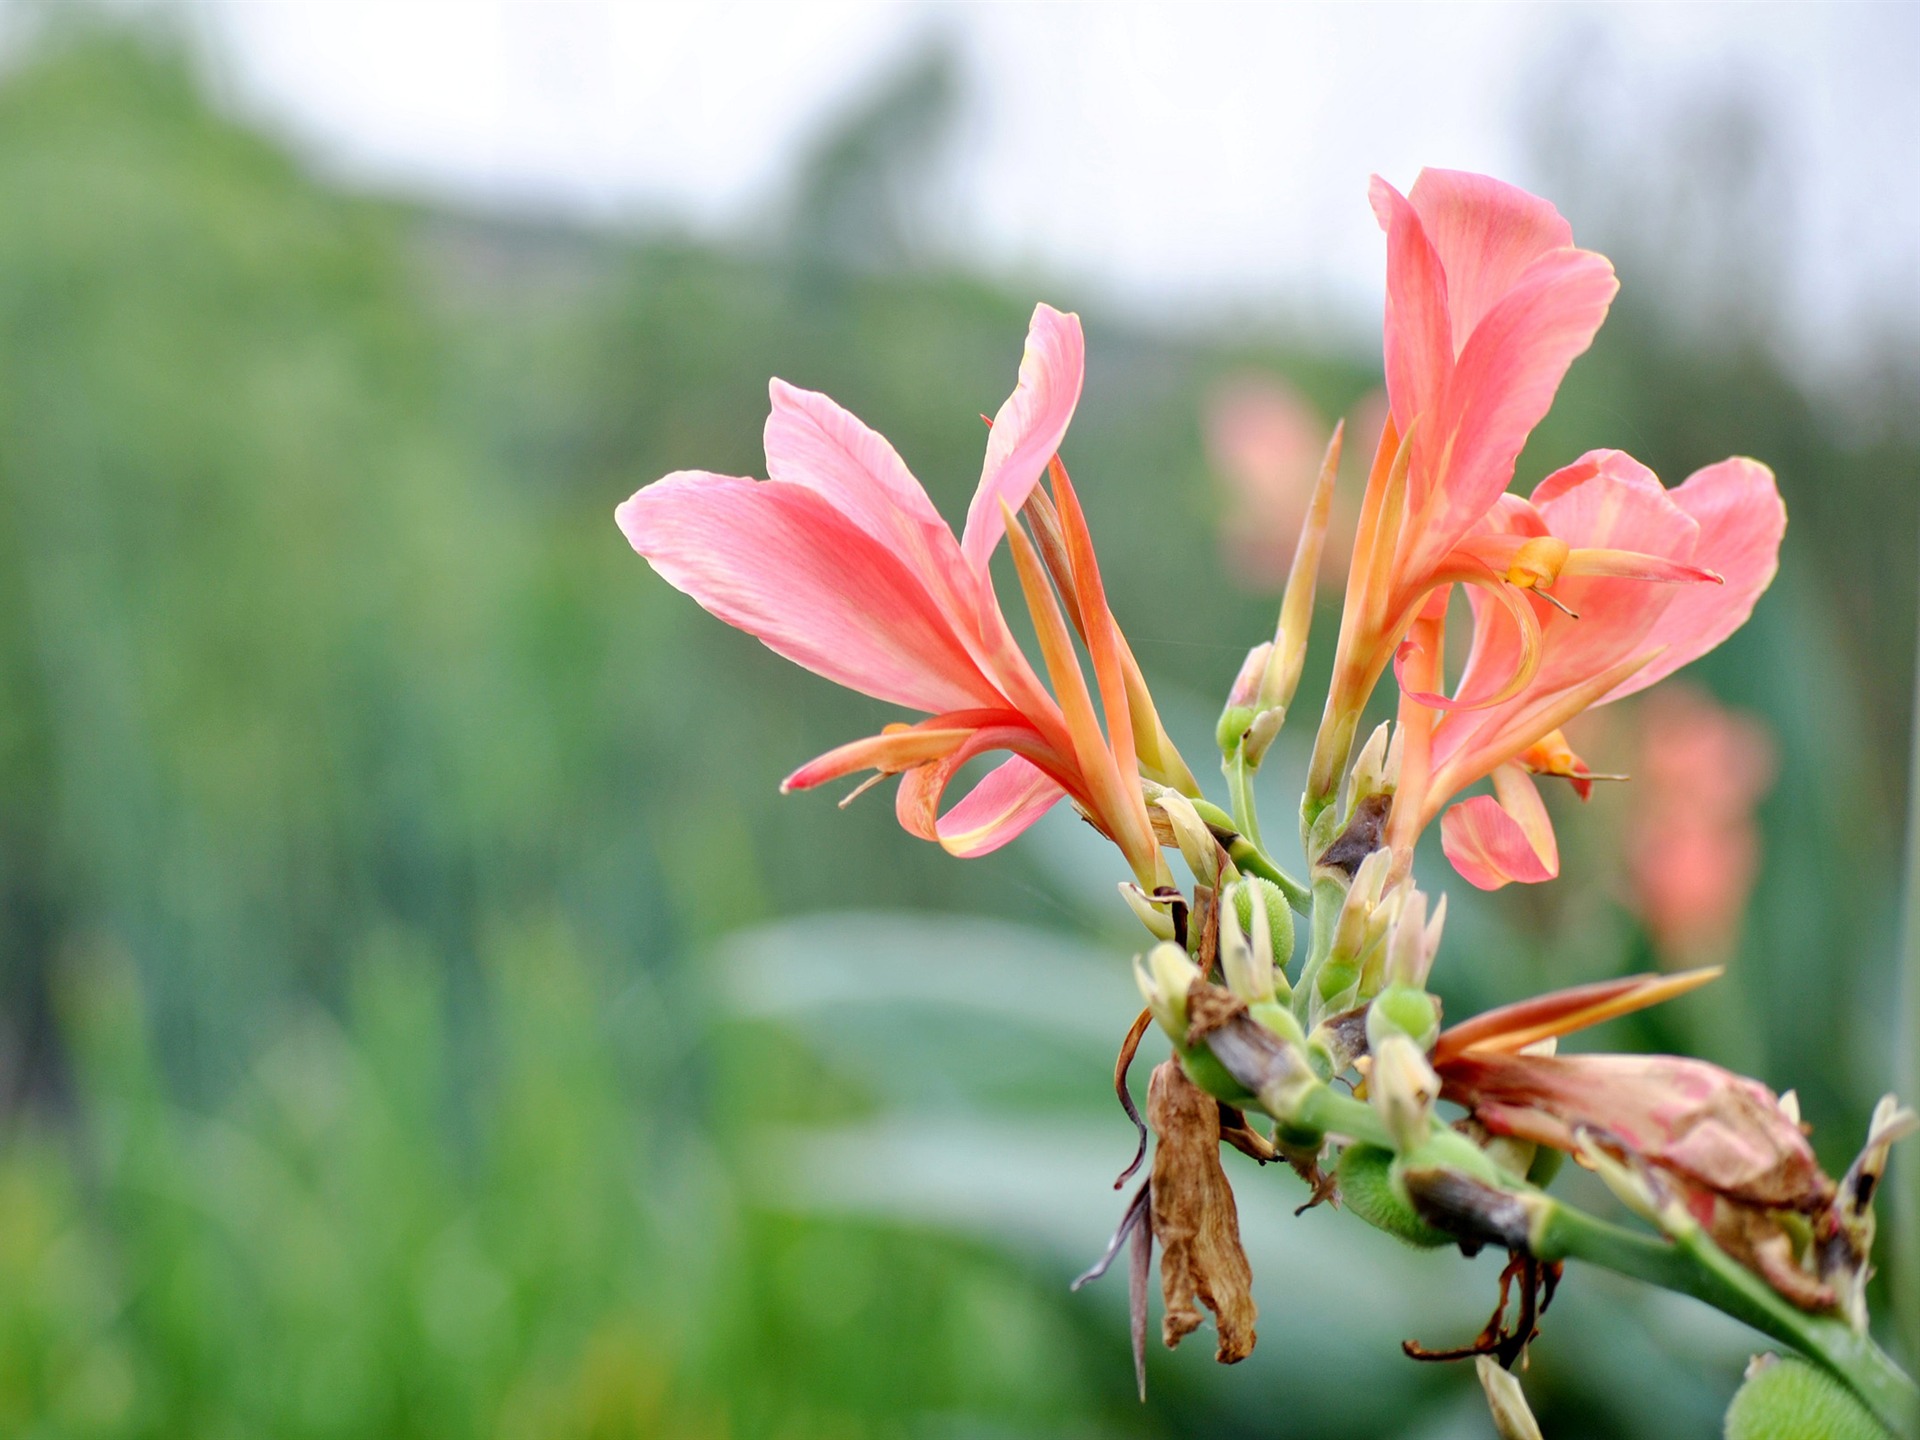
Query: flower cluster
{"points": [[1597, 584]]}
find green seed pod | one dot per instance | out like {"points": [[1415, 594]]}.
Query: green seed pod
{"points": [[1367, 1189], [1279, 922], [1790, 1400]]}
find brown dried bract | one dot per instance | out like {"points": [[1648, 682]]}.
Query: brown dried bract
{"points": [[1361, 837], [1194, 1218], [1208, 1008]]}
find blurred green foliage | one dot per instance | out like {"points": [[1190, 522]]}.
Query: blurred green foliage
{"points": [[373, 826]]}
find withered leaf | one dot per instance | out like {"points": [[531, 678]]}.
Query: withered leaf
{"points": [[1195, 1220]]}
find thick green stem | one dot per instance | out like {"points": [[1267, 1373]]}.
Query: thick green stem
{"points": [[1253, 1061], [1692, 1264]]}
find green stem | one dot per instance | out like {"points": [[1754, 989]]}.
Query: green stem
{"points": [[1328, 896], [1689, 1262], [1240, 793], [1692, 1264], [1249, 856]]}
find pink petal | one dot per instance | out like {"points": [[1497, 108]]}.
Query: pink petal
{"points": [[1028, 429], [1501, 387], [1010, 798], [1486, 233], [1605, 500], [1006, 802], [813, 442], [1418, 331], [782, 563], [1742, 521], [1493, 841]]}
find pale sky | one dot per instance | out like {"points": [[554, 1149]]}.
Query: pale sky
{"points": [[1166, 155]]}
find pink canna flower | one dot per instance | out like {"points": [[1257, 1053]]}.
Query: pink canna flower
{"points": [[1488, 303], [1624, 583], [840, 562]]}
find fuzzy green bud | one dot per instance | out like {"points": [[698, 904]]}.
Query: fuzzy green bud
{"points": [[1272, 901], [1367, 1189], [1790, 1400]]}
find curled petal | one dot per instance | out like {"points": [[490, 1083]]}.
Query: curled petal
{"points": [[1028, 428], [1511, 652], [1493, 840], [898, 747], [1008, 800]]}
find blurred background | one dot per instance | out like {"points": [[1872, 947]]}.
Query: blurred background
{"points": [[419, 1014]]}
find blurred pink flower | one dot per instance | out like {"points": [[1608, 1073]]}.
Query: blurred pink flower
{"points": [[840, 563], [1694, 848], [1265, 441]]}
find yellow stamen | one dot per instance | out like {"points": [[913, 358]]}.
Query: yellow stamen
{"points": [[1536, 564]]}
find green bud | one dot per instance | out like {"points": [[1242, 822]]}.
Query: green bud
{"points": [[1367, 1189], [1273, 900], [1156, 915], [1403, 1010], [1234, 721], [1206, 1071], [1337, 977], [1165, 976], [1790, 1400]]}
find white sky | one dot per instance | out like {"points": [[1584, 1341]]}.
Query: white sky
{"points": [[1168, 154]]}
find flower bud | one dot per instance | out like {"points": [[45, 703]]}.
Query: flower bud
{"points": [[1243, 700], [1154, 914], [1363, 919], [1261, 734], [1164, 977], [1403, 1010], [1413, 940], [1197, 845], [1511, 1415], [1403, 1087], [1369, 774]]}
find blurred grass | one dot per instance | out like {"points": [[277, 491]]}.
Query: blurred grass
{"points": [[375, 834]]}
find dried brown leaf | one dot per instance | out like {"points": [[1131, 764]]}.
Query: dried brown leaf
{"points": [[1195, 1219]]}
